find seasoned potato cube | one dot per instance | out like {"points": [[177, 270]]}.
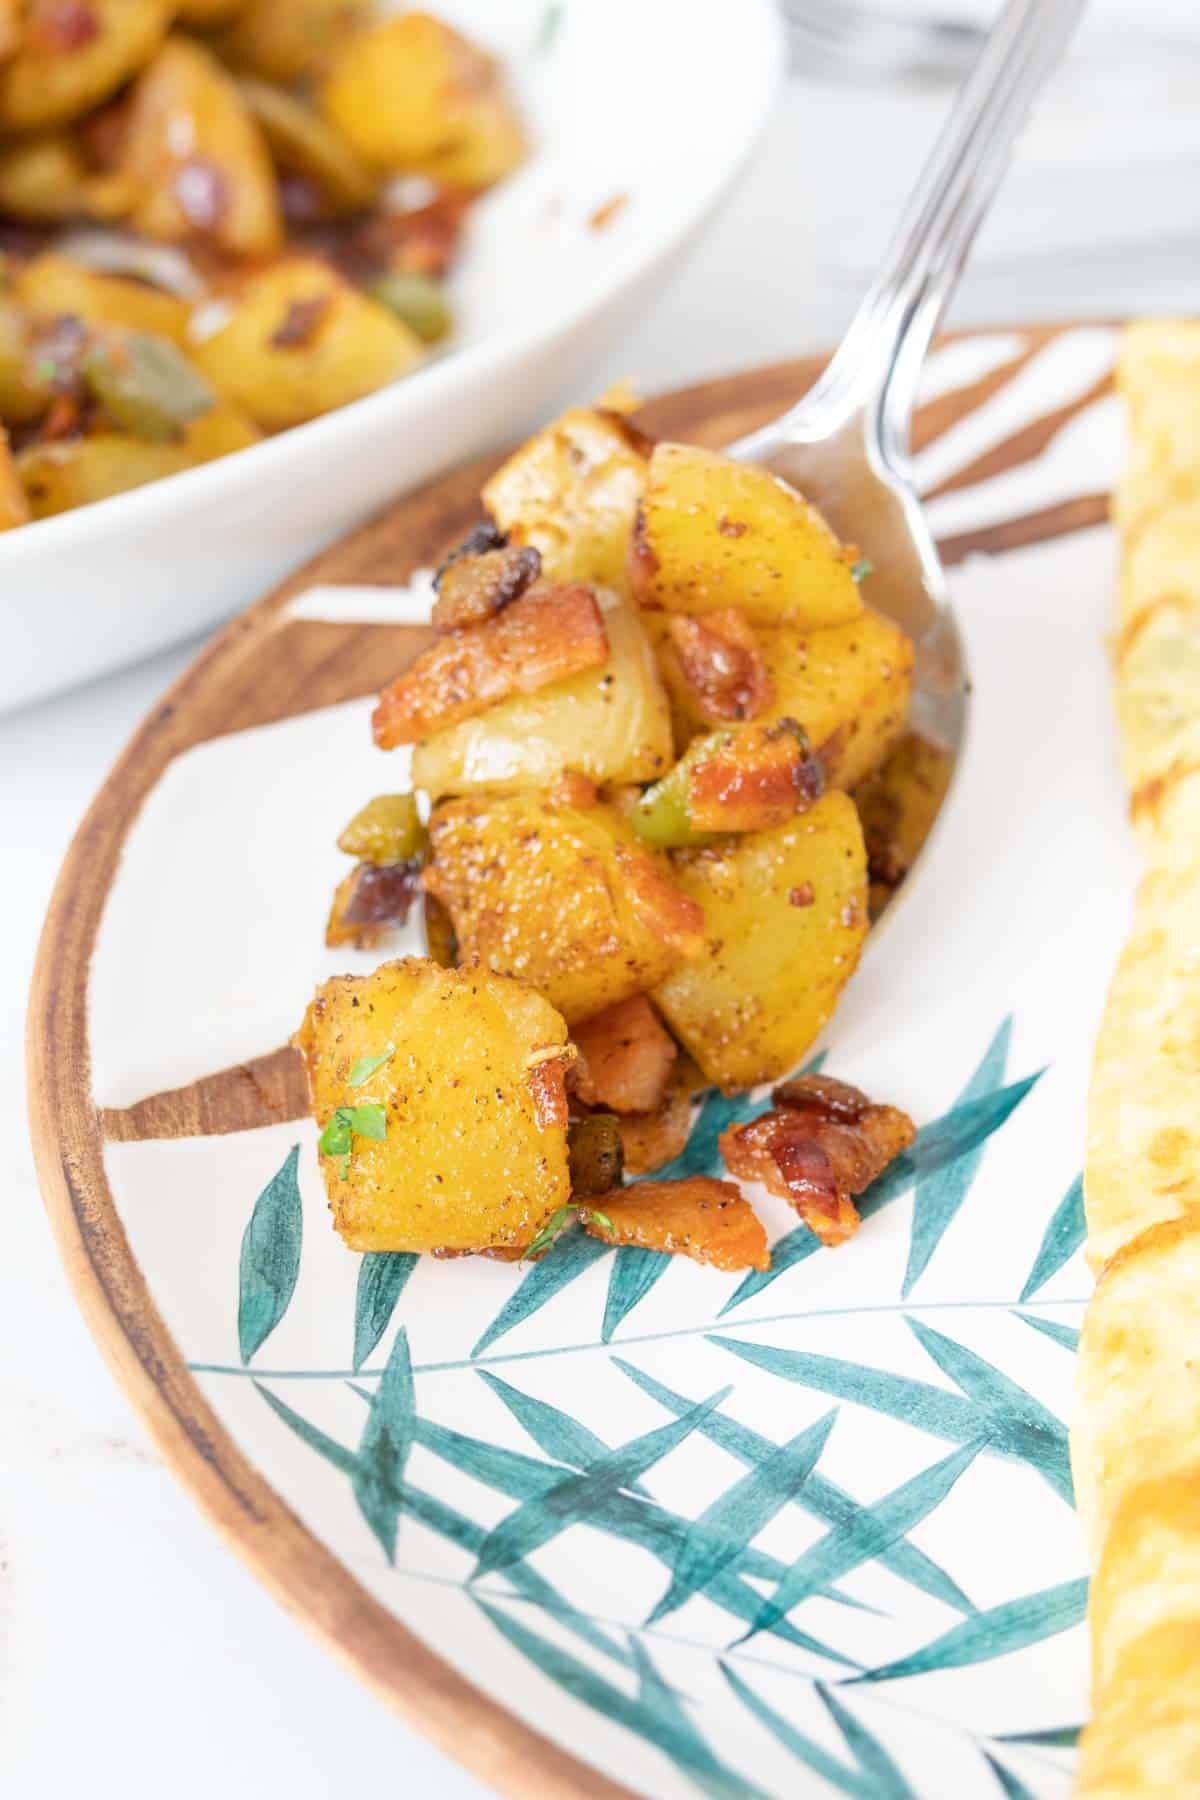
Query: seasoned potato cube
{"points": [[471, 1155], [572, 492], [58, 73], [714, 533], [46, 178], [203, 15], [848, 686], [53, 285], [24, 397], [302, 143], [60, 475], [200, 162], [561, 897], [284, 43], [548, 635], [697, 1216], [786, 913], [410, 93], [897, 806], [301, 341], [610, 723], [14, 507]]}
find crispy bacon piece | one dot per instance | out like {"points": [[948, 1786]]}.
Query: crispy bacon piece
{"points": [[372, 899], [471, 589], [551, 633], [699, 1217], [547, 1082], [654, 1138], [755, 778], [662, 907], [822, 1143], [720, 661], [301, 322], [625, 1057]]}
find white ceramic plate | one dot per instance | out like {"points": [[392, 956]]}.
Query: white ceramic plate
{"points": [[656, 100], [616, 1523]]}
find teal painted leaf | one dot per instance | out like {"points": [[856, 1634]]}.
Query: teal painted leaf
{"points": [[1060, 1737], [574, 1252], [913, 1402], [1066, 1335], [563, 1438], [819, 1496], [736, 1517], [806, 1750], [1014, 1788], [437, 1516], [312, 1435], [998, 1632], [878, 1526], [654, 1723], [634, 1273], [938, 1197], [700, 1155], [1064, 1234], [710, 1775], [884, 1779], [383, 1451], [936, 1146], [574, 1498], [1017, 1424], [270, 1259], [381, 1278]]}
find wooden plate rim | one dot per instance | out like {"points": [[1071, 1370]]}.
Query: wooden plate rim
{"points": [[69, 1143]]}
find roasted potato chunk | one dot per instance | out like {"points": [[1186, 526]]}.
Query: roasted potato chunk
{"points": [[560, 897], [53, 285], [610, 723], [46, 179], [625, 1057], [572, 492], [745, 779], [713, 533], [548, 636], [301, 341], [786, 914], [63, 66], [77, 471], [849, 686], [410, 93], [200, 163], [24, 395], [465, 1158], [697, 1216], [14, 506], [287, 42], [897, 806]]}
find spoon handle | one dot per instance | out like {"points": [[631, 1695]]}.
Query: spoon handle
{"points": [[874, 373]]}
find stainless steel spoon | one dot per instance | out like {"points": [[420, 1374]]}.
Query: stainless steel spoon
{"points": [[845, 445]]}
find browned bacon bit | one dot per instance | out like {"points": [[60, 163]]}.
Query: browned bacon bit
{"points": [[698, 1216], [301, 322], [63, 24], [822, 1143], [547, 1083], [754, 778], [801, 895], [662, 907], [372, 899], [202, 190], [63, 420], [719, 659], [471, 589], [479, 540], [548, 634], [625, 1057]]}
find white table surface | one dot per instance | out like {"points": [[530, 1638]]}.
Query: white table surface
{"points": [[137, 1656]]}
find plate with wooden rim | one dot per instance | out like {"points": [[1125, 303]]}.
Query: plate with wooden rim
{"points": [[615, 1523]]}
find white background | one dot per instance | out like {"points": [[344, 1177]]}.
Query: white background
{"points": [[137, 1656]]}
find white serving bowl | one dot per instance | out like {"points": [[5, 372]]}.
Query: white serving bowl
{"points": [[659, 101]]}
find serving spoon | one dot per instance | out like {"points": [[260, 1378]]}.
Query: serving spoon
{"points": [[845, 445]]}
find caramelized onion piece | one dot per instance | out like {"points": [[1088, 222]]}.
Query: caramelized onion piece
{"points": [[822, 1143], [471, 589], [625, 1057], [549, 634], [371, 900], [699, 1217], [719, 660]]}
